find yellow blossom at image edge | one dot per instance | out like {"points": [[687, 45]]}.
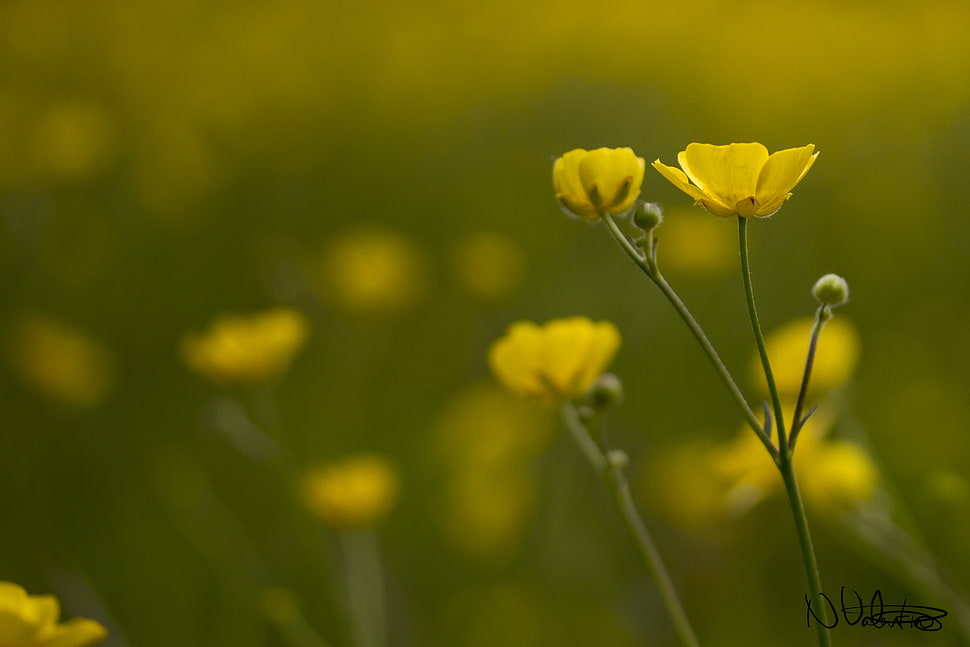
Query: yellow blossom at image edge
{"points": [[32, 621]]}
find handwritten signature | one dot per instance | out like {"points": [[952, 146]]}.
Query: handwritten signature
{"points": [[876, 614]]}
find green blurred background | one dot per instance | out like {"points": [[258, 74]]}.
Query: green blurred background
{"points": [[165, 163]]}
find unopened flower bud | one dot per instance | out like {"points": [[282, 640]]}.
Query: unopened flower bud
{"points": [[617, 459], [831, 290], [606, 392], [648, 215]]}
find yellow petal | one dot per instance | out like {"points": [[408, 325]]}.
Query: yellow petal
{"points": [[576, 352], [514, 359], [78, 632], [729, 174], [569, 188], [611, 177], [677, 177], [781, 172]]}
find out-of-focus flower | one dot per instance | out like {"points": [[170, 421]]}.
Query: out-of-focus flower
{"points": [[836, 356], [356, 492], [589, 183], [74, 140], [32, 621], [487, 441], [694, 244], [488, 265], [554, 362], [60, 361], [739, 179], [372, 270], [246, 349], [704, 483], [837, 473]]}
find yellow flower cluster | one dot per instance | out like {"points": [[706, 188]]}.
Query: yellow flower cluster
{"points": [[703, 482], [735, 179], [32, 621], [357, 492], [554, 362], [246, 349]]}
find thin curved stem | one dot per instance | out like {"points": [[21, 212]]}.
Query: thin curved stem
{"points": [[649, 267], [612, 474], [822, 315], [784, 457], [758, 335]]}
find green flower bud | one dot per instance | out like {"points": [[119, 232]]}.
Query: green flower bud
{"points": [[831, 290], [617, 459], [606, 392], [648, 215]]}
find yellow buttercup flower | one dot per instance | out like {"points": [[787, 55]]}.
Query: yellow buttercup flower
{"points": [[739, 179], [589, 183], [246, 350], [355, 493], [32, 621], [554, 362]]}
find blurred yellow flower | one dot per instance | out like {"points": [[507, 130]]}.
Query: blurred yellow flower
{"points": [[32, 621], [739, 179], [60, 361], [835, 474], [588, 183], [696, 245], [557, 361], [356, 492], [836, 356], [487, 441], [246, 349], [372, 270], [489, 265], [703, 483]]}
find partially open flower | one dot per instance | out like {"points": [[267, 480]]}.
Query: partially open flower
{"points": [[589, 183], [555, 362], [739, 179]]}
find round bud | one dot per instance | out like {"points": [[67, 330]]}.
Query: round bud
{"points": [[831, 290], [606, 392], [647, 215], [617, 459]]}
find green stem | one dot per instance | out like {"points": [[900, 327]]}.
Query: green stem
{"points": [[365, 586], [784, 458], [649, 267], [822, 315], [758, 335], [787, 470], [612, 473]]}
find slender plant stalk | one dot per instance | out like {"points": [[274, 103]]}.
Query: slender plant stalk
{"points": [[612, 474], [365, 586], [784, 458], [647, 263], [822, 315]]}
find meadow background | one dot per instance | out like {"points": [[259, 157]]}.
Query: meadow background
{"points": [[162, 164]]}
